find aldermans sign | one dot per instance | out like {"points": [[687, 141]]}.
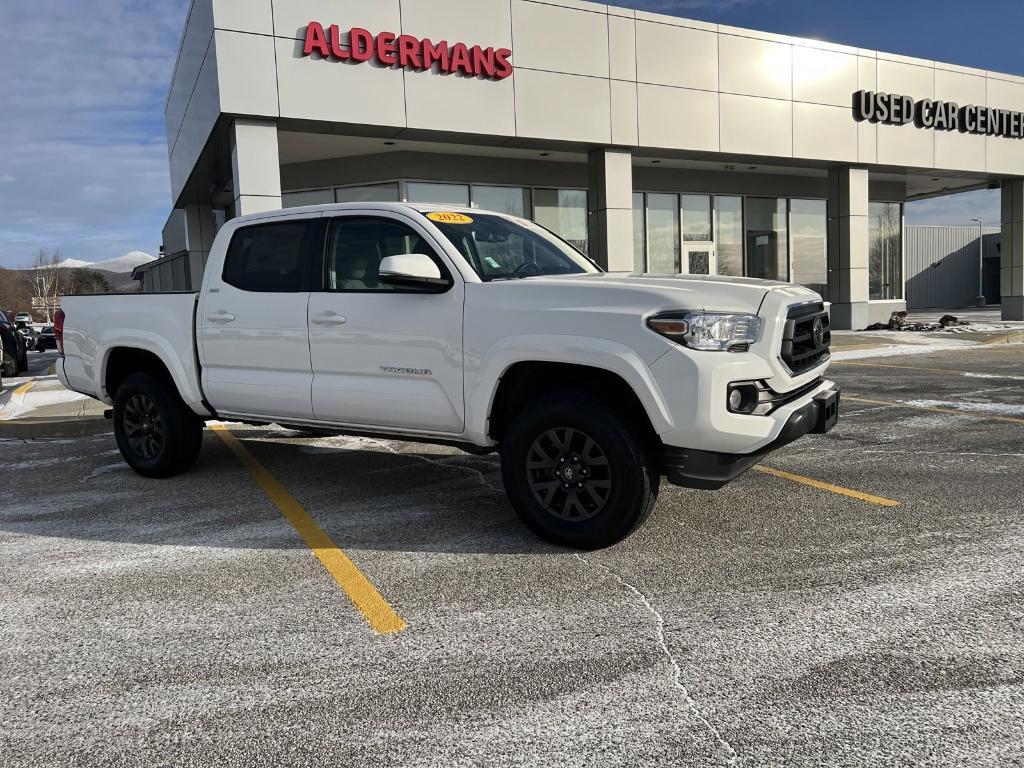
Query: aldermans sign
{"points": [[894, 109], [406, 52]]}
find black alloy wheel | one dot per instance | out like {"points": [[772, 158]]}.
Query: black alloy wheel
{"points": [[144, 426], [568, 473]]}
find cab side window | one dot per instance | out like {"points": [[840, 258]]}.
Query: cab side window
{"points": [[356, 246], [277, 257]]}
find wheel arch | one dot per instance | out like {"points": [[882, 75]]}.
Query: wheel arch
{"points": [[525, 381]]}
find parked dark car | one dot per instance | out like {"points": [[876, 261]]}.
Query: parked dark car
{"points": [[30, 335], [47, 339], [15, 351]]}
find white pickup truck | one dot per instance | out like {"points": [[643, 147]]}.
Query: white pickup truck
{"points": [[465, 328]]}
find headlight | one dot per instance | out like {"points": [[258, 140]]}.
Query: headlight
{"points": [[712, 331]]}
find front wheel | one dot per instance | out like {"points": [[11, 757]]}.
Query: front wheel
{"points": [[577, 473], [159, 436]]}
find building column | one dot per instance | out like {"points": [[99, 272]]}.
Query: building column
{"points": [[610, 209], [1011, 250], [256, 166], [848, 247]]}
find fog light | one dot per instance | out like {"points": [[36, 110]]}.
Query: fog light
{"points": [[743, 398], [735, 400]]}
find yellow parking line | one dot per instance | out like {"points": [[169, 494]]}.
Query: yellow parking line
{"points": [[869, 498], [23, 389], [380, 615], [932, 409]]}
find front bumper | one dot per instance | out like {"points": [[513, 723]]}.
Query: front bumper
{"points": [[710, 470]]}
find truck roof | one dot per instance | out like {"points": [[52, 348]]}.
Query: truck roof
{"points": [[393, 207]]}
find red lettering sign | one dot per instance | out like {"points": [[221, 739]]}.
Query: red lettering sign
{"points": [[407, 52]]}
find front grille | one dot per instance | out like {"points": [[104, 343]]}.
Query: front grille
{"points": [[801, 351]]}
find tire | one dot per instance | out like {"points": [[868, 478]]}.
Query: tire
{"points": [[578, 438], [23, 361], [9, 368], [159, 436]]}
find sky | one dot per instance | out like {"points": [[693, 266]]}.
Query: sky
{"points": [[83, 154]]}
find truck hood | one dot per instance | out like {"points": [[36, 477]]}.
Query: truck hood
{"points": [[647, 293]]}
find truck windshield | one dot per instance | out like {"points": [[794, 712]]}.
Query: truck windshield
{"points": [[501, 248]]}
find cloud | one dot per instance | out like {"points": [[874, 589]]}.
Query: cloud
{"points": [[83, 143]]}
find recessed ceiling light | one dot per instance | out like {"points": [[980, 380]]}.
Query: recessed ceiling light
{"points": [[936, 179], [545, 154], [751, 167], [655, 161], [389, 143]]}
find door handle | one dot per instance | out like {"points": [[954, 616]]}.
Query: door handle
{"points": [[329, 318], [220, 316]]}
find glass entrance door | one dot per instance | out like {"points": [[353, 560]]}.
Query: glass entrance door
{"points": [[699, 258]]}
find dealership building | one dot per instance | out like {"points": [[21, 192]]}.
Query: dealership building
{"points": [[651, 142]]}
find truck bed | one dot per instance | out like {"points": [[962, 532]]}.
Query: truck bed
{"points": [[161, 323]]}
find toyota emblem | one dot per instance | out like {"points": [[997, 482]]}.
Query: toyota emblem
{"points": [[818, 332]]}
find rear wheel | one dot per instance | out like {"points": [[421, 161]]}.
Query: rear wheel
{"points": [[577, 473], [159, 436]]}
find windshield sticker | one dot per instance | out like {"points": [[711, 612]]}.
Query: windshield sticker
{"points": [[447, 217], [492, 263]]}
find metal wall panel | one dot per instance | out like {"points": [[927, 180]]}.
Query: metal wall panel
{"points": [[942, 265]]}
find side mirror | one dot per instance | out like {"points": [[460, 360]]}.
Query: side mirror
{"points": [[413, 270]]}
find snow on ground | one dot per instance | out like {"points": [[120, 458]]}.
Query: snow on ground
{"points": [[905, 345], [1000, 409], [24, 405]]}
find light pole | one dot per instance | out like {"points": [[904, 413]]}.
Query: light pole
{"points": [[980, 300]]}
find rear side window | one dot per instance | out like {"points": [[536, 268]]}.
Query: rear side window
{"points": [[276, 257]]}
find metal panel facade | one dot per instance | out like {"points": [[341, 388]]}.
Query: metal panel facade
{"points": [[942, 265]]}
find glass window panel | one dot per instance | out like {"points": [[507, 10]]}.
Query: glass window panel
{"points": [[271, 258], [809, 222], [663, 234], [696, 217], [369, 193], [639, 235], [564, 212], [885, 255], [309, 197], [729, 235], [515, 201], [766, 240], [358, 245], [442, 194]]}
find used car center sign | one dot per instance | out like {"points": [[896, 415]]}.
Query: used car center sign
{"points": [[407, 52], [894, 109]]}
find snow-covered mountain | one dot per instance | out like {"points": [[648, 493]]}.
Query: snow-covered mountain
{"points": [[120, 265], [125, 263], [73, 264]]}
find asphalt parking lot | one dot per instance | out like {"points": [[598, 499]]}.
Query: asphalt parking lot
{"points": [[876, 618]]}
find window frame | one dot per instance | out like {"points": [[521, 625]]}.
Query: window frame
{"points": [[332, 219], [307, 260]]}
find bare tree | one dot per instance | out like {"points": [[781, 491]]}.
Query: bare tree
{"points": [[45, 278]]}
